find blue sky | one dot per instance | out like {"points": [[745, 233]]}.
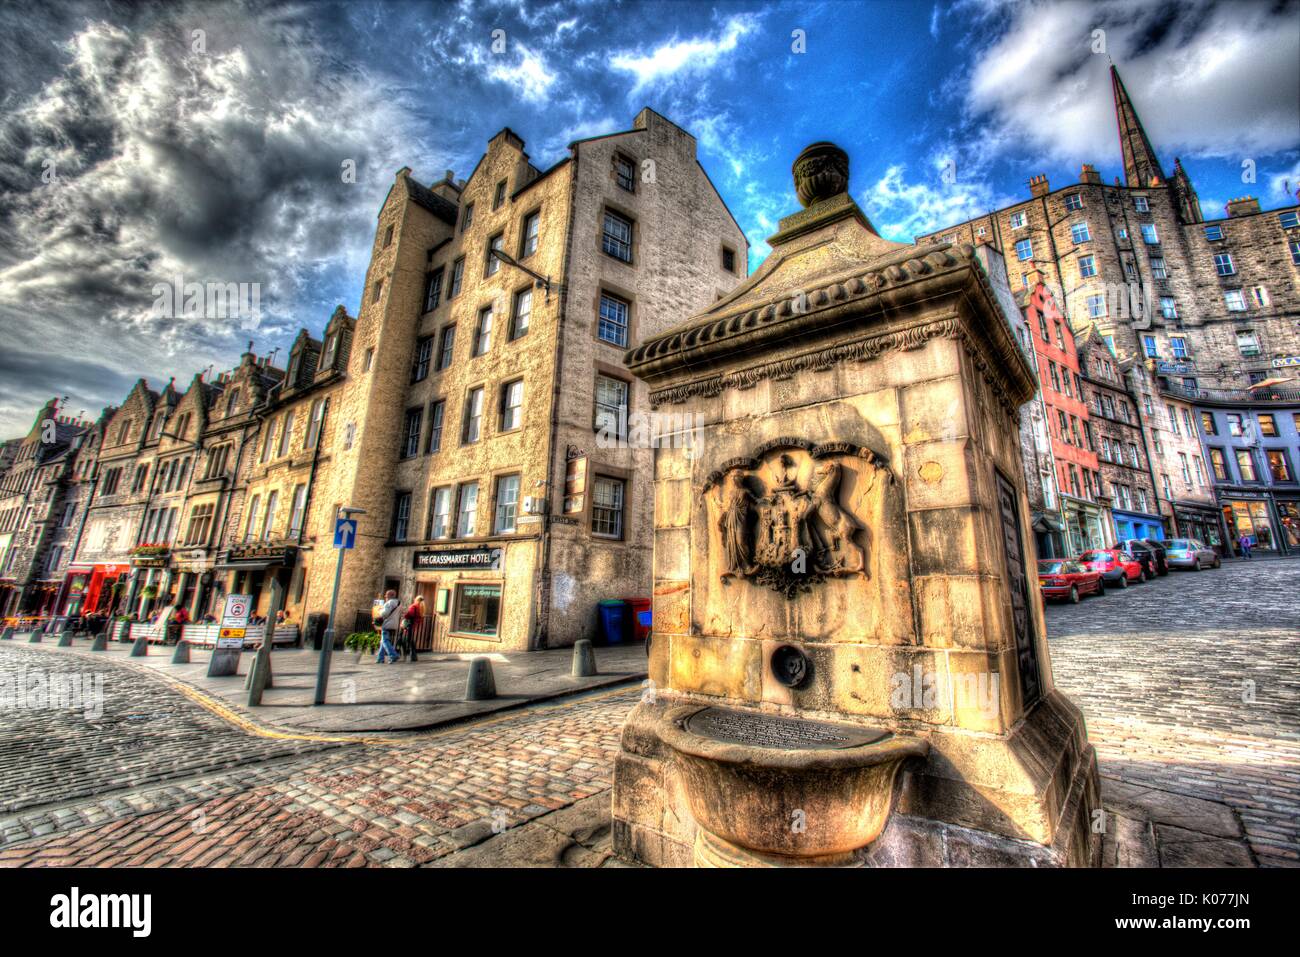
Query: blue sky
{"points": [[216, 155]]}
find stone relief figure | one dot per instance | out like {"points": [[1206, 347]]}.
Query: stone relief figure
{"points": [[790, 537], [840, 554], [737, 502]]}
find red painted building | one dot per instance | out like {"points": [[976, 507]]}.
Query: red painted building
{"points": [[1074, 449]]}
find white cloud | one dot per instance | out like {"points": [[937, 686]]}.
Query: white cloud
{"points": [[902, 209], [530, 76], [1040, 85], [677, 56]]}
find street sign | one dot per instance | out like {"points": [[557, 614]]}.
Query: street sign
{"points": [[345, 532], [230, 639], [237, 610], [1287, 361]]}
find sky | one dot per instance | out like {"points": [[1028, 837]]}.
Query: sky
{"points": [[212, 141]]}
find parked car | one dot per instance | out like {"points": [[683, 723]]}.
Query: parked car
{"points": [[1189, 553], [1143, 554], [1117, 567], [1063, 578], [1162, 557]]}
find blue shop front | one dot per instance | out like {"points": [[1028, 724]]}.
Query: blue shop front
{"points": [[1138, 525]]}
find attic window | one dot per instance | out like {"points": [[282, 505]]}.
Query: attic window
{"points": [[728, 259], [331, 346], [500, 196]]}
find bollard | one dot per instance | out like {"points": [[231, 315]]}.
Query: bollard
{"points": [[181, 656], [35, 637], [140, 649], [7, 634], [584, 659], [65, 636], [480, 686], [100, 643], [259, 679]]}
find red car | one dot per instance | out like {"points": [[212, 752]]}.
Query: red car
{"points": [[1117, 566], [1063, 578]]}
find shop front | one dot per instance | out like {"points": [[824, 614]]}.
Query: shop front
{"points": [[91, 589], [1288, 513], [249, 569], [192, 568], [1199, 522], [1138, 525], [475, 598], [1085, 525], [1251, 514]]}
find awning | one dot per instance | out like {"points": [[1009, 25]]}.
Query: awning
{"points": [[246, 566]]}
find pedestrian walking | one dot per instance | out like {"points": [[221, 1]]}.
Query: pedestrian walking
{"points": [[411, 622], [1244, 542], [390, 617]]}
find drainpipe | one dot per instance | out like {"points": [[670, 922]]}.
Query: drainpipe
{"points": [[542, 594]]}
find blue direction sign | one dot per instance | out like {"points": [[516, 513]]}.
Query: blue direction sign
{"points": [[345, 532]]}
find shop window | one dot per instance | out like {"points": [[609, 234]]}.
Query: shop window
{"points": [[478, 610]]}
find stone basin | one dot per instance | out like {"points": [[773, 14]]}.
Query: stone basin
{"points": [[767, 790]]}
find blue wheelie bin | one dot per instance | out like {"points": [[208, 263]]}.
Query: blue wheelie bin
{"points": [[613, 620]]}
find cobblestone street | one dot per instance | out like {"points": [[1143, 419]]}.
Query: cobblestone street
{"points": [[1188, 684]]}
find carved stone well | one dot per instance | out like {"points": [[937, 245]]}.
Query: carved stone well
{"points": [[847, 661]]}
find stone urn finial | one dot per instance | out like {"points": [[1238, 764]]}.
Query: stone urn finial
{"points": [[820, 172]]}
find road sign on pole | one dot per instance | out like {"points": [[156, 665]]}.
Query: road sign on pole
{"points": [[230, 639], [345, 532], [345, 536]]}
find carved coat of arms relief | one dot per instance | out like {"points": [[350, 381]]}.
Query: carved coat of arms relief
{"points": [[780, 520]]}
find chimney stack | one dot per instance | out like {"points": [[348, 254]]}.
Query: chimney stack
{"points": [[1089, 174], [1244, 206], [1038, 185]]}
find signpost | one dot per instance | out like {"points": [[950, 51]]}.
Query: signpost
{"points": [[230, 639], [345, 536]]}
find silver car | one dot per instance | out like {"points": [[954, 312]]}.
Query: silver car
{"points": [[1189, 553]]}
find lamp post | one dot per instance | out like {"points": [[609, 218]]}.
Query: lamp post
{"points": [[344, 537]]}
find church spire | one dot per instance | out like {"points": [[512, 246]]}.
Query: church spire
{"points": [[1141, 168]]}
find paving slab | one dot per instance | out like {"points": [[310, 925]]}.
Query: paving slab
{"points": [[364, 696]]}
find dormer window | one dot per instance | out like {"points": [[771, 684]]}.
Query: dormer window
{"points": [[331, 347]]}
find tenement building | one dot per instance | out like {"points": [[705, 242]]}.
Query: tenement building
{"points": [[33, 492], [1118, 436], [1140, 262], [502, 454], [1213, 304], [1085, 520]]}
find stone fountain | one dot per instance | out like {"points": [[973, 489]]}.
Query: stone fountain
{"points": [[848, 663]]}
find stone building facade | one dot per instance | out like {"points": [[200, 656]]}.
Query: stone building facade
{"points": [[1119, 438], [496, 456], [33, 510], [1084, 509], [1141, 263]]}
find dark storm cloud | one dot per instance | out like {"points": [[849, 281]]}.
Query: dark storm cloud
{"points": [[209, 158]]}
